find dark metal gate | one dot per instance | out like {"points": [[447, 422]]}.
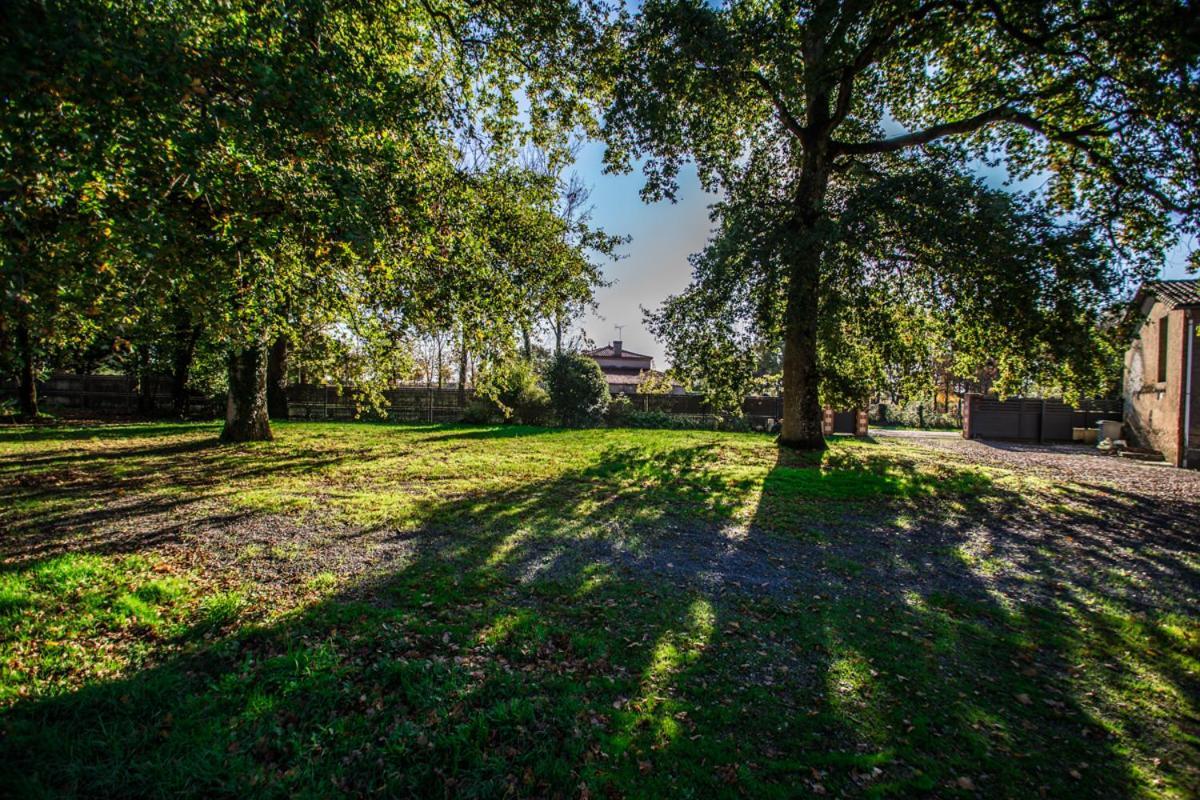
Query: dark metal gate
{"points": [[1032, 419]]}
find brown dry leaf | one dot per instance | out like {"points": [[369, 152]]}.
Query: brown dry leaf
{"points": [[1024, 700], [966, 783]]}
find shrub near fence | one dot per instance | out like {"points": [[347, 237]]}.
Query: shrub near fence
{"points": [[420, 404], [757, 409], [915, 415]]}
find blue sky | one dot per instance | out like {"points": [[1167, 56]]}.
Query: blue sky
{"points": [[663, 235], [654, 263]]}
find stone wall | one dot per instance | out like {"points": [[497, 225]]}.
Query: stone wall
{"points": [[1152, 400]]}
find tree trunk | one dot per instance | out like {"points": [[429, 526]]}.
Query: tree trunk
{"points": [[27, 398], [186, 335], [802, 415], [528, 343], [246, 409], [462, 373], [145, 400], [801, 423], [440, 343], [558, 333], [277, 371]]}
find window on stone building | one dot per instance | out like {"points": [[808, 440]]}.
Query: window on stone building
{"points": [[1163, 339]]}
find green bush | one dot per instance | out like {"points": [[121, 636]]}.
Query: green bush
{"points": [[534, 408], [660, 419], [734, 424], [618, 413], [510, 391], [622, 413], [677, 422], [480, 412], [917, 414], [578, 390]]}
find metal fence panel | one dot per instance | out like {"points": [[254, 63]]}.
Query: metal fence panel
{"points": [[1034, 419]]}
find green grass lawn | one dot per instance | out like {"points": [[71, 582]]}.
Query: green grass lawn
{"points": [[481, 612]]}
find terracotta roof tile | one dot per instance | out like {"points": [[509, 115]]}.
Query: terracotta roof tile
{"points": [[1178, 293]]}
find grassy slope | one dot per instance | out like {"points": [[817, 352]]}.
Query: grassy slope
{"points": [[144, 670]]}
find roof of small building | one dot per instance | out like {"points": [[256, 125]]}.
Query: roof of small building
{"points": [[631, 370], [1180, 293], [609, 352], [1183, 293]]}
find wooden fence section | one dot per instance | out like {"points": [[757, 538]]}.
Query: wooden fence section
{"points": [[118, 396], [408, 404], [762, 412], [113, 396], [422, 404], [852, 422], [1032, 419]]}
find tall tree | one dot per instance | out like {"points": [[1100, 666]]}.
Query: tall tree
{"points": [[302, 133], [305, 147], [357, 106], [1101, 95], [59, 179], [929, 264]]}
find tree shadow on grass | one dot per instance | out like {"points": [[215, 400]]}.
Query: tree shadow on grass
{"points": [[29, 466], [924, 670], [73, 431], [125, 499], [622, 627], [457, 432]]}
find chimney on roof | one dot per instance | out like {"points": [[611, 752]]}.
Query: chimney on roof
{"points": [[617, 348]]}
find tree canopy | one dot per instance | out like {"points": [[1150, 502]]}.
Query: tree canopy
{"points": [[928, 263], [214, 177], [793, 99], [250, 165]]}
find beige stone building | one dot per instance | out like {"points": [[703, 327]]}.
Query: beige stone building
{"points": [[1162, 371]]}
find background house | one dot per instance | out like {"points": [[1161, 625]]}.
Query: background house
{"points": [[1162, 371], [625, 370]]}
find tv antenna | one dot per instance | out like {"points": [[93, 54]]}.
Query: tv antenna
{"points": [[619, 328]]}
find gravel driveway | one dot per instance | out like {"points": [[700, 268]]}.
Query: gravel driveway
{"points": [[1119, 529], [1081, 464]]}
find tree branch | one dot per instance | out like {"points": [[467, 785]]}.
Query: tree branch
{"points": [[845, 94], [1078, 138], [785, 115], [885, 40], [1042, 41], [997, 114]]}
